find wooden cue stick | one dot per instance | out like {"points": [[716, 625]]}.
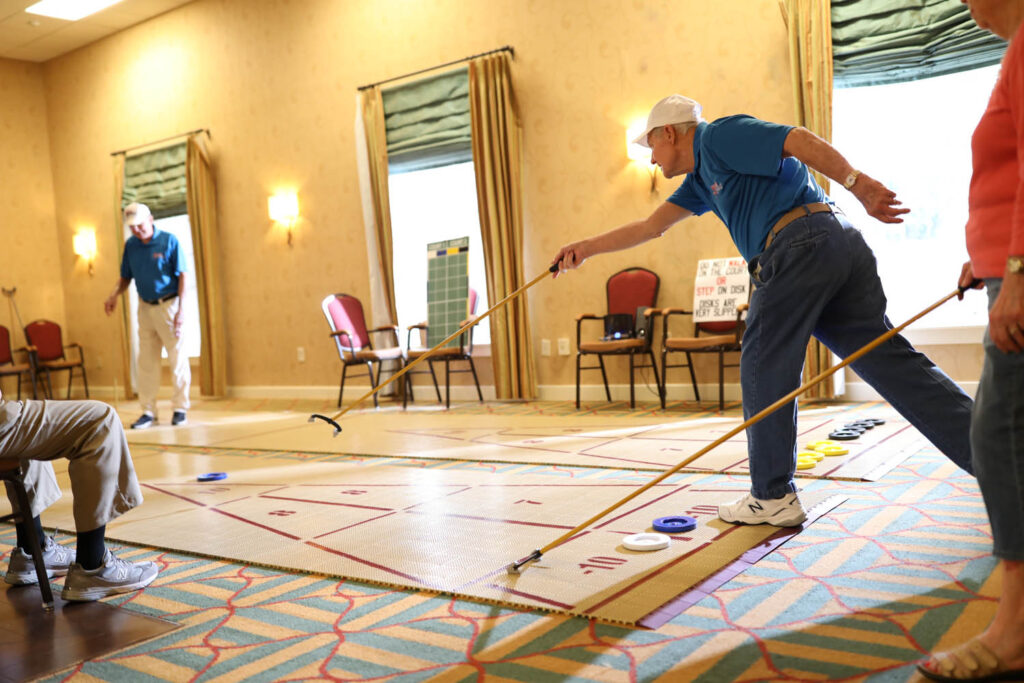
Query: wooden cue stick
{"points": [[514, 567], [453, 335]]}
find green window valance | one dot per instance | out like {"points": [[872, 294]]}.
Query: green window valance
{"points": [[157, 179], [876, 42], [427, 122]]}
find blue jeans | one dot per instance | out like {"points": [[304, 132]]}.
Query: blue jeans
{"points": [[819, 277], [997, 437]]}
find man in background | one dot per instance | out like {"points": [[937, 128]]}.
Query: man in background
{"points": [[153, 259]]}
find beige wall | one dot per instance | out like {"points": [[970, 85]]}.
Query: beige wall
{"points": [[275, 82], [29, 256]]}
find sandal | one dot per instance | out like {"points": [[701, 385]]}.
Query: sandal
{"points": [[972, 661]]}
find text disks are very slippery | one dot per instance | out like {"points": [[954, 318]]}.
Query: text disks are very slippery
{"points": [[721, 284]]}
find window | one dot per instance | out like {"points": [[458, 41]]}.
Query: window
{"points": [[427, 206], [180, 227], [915, 137]]}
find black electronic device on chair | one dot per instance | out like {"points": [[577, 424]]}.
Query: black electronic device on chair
{"points": [[618, 326]]}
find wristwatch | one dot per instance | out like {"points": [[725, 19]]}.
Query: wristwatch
{"points": [[1015, 264], [851, 179]]}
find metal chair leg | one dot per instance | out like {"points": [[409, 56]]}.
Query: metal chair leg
{"points": [[632, 392], [341, 389], [447, 386], [604, 376], [433, 376], [721, 381], [578, 357], [693, 377], [25, 514], [476, 381], [657, 380]]}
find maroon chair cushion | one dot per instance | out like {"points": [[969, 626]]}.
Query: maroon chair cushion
{"points": [[5, 346], [630, 289], [717, 327], [45, 336], [347, 314]]}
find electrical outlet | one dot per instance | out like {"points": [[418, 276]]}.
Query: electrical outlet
{"points": [[545, 347], [563, 346], [300, 353], [99, 362]]}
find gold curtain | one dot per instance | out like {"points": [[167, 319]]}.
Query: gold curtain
{"points": [[809, 23], [126, 365], [497, 159], [202, 216], [379, 224]]}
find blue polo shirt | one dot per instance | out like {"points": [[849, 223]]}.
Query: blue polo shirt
{"points": [[741, 175], [154, 266]]}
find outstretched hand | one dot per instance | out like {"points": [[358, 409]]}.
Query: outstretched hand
{"points": [[570, 256], [879, 201]]}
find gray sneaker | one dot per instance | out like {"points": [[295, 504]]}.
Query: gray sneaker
{"points": [[21, 570], [113, 576]]}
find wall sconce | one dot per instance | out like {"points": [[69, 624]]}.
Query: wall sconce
{"points": [[639, 154], [84, 245], [284, 210]]}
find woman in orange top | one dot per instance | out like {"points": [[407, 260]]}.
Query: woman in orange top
{"points": [[995, 243]]}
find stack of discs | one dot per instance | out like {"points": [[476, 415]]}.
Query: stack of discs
{"points": [[829, 448], [806, 460]]}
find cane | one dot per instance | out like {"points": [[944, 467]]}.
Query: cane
{"points": [[516, 567], [332, 420]]}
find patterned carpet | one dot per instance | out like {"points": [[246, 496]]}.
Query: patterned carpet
{"points": [[901, 568]]}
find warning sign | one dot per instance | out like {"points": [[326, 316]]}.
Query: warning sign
{"points": [[721, 285]]}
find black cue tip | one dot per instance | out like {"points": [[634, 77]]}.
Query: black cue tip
{"points": [[515, 569], [553, 268], [316, 416]]}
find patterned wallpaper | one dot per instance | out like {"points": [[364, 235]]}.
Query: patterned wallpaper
{"points": [[29, 257], [275, 82]]}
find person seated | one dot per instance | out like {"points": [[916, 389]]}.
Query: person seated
{"points": [[103, 483]]}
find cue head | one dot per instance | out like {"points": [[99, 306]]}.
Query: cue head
{"points": [[316, 416]]}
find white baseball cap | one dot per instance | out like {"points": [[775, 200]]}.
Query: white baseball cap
{"points": [[672, 109], [136, 213]]}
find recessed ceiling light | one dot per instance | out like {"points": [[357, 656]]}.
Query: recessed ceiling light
{"points": [[71, 10]]}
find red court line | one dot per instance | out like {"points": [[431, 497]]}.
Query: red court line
{"points": [[410, 577], [645, 578], [371, 519], [256, 524], [174, 495], [641, 507], [531, 596], [488, 519], [325, 502]]}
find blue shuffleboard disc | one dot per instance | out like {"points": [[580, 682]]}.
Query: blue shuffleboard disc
{"points": [[674, 525], [212, 476], [844, 435]]}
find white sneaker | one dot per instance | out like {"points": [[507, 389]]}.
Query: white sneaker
{"points": [[785, 511], [21, 570], [113, 576]]}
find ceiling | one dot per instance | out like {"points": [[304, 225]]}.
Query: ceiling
{"points": [[32, 38]]}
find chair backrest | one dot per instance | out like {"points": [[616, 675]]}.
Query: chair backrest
{"points": [[344, 312], [631, 289], [5, 346], [45, 336]]}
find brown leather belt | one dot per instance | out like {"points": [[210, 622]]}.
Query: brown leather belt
{"points": [[801, 211]]}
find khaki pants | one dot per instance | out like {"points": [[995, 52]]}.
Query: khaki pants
{"points": [[89, 434], [156, 331]]}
